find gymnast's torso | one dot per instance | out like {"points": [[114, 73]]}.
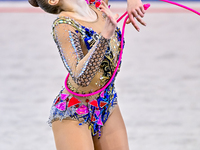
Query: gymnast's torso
{"points": [[78, 38]]}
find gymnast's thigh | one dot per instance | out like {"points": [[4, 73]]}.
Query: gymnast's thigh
{"points": [[69, 135], [114, 135]]}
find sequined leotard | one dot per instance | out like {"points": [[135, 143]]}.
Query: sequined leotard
{"points": [[90, 59]]}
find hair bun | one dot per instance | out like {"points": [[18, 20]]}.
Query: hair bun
{"points": [[33, 3]]}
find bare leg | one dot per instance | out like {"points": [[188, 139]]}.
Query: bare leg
{"points": [[114, 136], [69, 135]]}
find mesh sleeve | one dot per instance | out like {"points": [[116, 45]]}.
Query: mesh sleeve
{"points": [[81, 68]]}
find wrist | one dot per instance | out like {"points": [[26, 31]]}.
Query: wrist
{"points": [[106, 36]]}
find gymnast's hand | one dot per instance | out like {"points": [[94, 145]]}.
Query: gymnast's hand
{"points": [[111, 21], [136, 11]]}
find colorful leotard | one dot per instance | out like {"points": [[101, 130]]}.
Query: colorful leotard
{"points": [[90, 59]]}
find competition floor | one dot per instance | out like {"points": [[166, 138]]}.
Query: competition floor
{"points": [[158, 86]]}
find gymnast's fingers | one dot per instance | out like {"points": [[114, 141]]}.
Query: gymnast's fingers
{"points": [[132, 20], [104, 4], [128, 21], [139, 12], [141, 21], [116, 16], [142, 9]]}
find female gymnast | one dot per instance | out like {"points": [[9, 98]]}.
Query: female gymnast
{"points": [[88, 41]]}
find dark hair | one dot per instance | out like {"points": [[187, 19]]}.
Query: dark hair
{"points": [[53, 9]]}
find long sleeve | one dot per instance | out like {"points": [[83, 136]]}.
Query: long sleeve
{"points": [[81, 68]]}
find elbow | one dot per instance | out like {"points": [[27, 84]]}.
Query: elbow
{"points": [[85, 78]]}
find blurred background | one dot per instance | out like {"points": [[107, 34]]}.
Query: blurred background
{"points": [[158, 85]]}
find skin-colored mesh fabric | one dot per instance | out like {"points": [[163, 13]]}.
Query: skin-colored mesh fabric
{"points": [[81, 68]]}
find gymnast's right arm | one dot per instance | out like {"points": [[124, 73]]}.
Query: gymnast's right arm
{"points": [[81, 68]]}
